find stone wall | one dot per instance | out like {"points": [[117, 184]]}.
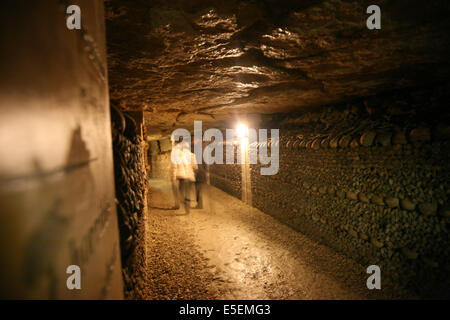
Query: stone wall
{"points": [[370, 179], [227, 177], [160, 162], [56, 168], [161, 166], [131, 197]]}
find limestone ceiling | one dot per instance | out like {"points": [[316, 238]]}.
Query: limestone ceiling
{"points": [[193, 59]]}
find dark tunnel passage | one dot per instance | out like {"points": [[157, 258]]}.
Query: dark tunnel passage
{"points": [[224, 150]]}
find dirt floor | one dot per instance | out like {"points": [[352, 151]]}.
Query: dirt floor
{"points": [[229, 250]]}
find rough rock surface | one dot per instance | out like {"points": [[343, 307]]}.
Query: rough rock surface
{"points": [[131, 185], [194, 59]]}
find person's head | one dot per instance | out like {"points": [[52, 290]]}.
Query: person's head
{"points": [[174, 141], [185, 145]]}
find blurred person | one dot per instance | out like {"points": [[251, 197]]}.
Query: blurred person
{"points": [[184, 166], [200, 184]]}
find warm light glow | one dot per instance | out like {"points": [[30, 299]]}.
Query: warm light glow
{"points": [[244, 144], [242, 131]]}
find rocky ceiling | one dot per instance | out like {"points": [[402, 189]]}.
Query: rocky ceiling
{"points": [[182, 60]]}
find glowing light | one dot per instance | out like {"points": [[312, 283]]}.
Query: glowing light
{"points": [[242, 131]]}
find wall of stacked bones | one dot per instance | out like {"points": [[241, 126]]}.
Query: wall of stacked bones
{"points": [[131, 198], [369, 178], [227, 177]]}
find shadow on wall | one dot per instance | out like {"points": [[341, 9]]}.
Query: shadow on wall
{"points": [[49, 237], [61, 201]]}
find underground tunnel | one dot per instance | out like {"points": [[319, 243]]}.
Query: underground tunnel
{"points": [[225, 150]]}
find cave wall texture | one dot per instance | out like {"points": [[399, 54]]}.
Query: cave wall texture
{"points": [[186, 60], [371, 179], [131, 197]]}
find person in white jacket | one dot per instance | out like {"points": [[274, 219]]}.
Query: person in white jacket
{"points": [[184, 167]]}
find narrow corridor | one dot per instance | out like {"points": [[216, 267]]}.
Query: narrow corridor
{"points": [[324, 139], [232, 251]]}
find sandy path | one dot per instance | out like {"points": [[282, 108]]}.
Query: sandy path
{"points": [[229, 250]]}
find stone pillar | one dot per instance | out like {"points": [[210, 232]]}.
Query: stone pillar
{"points": [[56, 169], [245, 171]]}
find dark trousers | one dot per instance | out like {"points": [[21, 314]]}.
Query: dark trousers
{"points": [[181, 193], [199, 190]]}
